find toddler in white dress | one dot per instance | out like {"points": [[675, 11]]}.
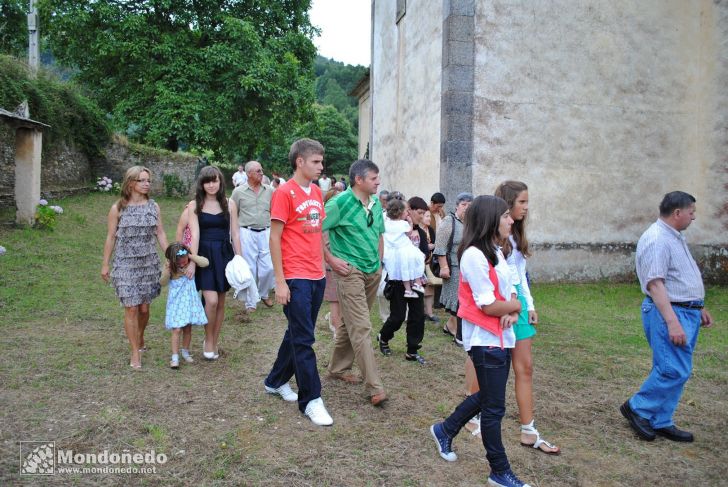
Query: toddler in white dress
{"points": [[402, 259]]}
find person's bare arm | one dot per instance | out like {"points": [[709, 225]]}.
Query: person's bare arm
{"points": [[283, 294], [194, 223], [444, 269], [112, 221], [235, 227], [161, 234], [181, 224], [502, 308]]}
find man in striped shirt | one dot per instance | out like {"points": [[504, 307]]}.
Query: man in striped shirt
{"points": [[672, 314]]}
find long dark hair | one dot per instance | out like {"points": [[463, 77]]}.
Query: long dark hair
{"points": [[509, 191], [207, 174], [480, 228], [171, 255]]}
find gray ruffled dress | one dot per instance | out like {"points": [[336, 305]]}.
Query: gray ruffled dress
{"points": [[136, 266]]}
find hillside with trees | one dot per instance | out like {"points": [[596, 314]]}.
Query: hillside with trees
{"points": [[234, 79]]}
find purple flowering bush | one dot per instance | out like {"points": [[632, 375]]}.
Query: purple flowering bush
{"points": [[46, 215]]}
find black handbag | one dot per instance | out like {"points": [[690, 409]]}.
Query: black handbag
{"points": [[435, 262]]}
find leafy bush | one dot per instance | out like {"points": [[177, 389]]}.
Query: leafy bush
{"points": [[174, 186], [73, 118], [45, 215]]}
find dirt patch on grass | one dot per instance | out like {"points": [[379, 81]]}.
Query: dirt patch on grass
{"points": [[69, 382], [64, 377]]}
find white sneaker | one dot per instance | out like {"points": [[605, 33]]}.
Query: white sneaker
{"points": [[174, 363], [317, 413], [186, 356], [284, 391]]}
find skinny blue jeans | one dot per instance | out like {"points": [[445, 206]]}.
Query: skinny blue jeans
{"points": [[491, 368], [296, 355], [657, 399]]}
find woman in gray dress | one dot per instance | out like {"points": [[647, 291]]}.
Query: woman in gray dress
{"points": [[134, 226], [452, 224]]}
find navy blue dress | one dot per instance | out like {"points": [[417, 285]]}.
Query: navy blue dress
{"points": [[216, 247]]}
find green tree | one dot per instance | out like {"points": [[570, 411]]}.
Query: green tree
{"points": [[13, 27], [233, 76], [73, 118], [334, 82], [329, 127], [334, 95]]}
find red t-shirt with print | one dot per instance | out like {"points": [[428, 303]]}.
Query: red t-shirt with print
{"points": [[302, 215]]}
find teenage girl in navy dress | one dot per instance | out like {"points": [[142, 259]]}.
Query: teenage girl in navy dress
{"points": [[213, 222]]}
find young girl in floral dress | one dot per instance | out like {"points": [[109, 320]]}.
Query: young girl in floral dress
{"points": [[184, 307]]}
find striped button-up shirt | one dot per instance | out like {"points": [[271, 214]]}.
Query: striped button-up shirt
{"points": [[662, 253]]}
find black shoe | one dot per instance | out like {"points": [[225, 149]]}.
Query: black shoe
{"points": [[447, 332], [384, 346], [639, 424], [415, 357], [432, 318], [675, 434]]}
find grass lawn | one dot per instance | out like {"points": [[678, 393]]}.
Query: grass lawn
{"points": [[65, 378]]}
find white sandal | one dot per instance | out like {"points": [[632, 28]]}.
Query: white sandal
{"points": [[529, 429]]}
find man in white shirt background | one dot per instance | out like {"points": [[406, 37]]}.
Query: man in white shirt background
{"points": [[240, 177], [324, 183]]}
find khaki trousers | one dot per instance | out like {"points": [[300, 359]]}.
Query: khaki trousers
{"points": [[353, 338]]}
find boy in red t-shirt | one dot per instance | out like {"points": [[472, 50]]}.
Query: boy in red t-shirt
{"points": [[296, 250]]}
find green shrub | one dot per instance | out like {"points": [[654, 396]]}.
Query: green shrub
{"points": [[73, 118], [45, 218], [174, 186]]}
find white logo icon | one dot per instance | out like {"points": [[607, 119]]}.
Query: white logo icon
{"points": [[37, 457]]}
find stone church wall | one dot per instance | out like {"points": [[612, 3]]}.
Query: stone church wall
{"points": [[602, 107], [405, 91]]}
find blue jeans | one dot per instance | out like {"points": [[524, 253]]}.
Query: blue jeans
{"points": [[657, 399], [491, 367], [296, 355]]}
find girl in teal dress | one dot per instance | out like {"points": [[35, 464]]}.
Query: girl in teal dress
{"points": [[515, 248]]}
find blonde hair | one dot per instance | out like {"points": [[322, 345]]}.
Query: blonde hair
{"points": [[130, 178]]}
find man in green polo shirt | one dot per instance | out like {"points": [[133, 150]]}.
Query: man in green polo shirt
{"points": [[353, 248]]}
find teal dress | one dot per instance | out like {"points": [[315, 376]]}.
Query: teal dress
{"points": [[184, 306]]}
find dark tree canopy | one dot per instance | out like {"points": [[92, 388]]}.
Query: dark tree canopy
{"points": [[13, 27], [234, 76], [329, 127], [334, 82]]}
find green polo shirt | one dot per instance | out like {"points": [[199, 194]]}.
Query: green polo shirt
{"points": [[350, 237]]}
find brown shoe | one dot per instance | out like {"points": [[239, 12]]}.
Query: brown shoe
{"points": [[379, 399], [348, 378], [268, 302]]}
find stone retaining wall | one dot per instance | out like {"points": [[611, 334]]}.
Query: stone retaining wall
{"points": [[65, 170]]}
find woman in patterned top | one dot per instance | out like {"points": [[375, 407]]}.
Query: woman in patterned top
{"points": [[134, 224]]}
